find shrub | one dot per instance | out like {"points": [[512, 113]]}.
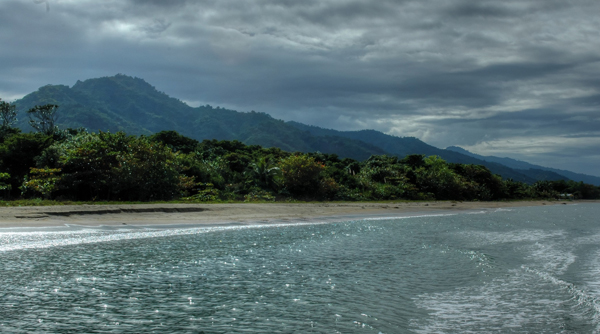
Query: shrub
{"points": [[301, 175]]}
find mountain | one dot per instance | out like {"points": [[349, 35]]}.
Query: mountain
{"points": [[526, 167], [124, 103], [402, 146]]}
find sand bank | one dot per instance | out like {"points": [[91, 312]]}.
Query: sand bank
{"points": [[244, 213]]}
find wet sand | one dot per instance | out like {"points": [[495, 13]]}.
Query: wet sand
{"points": [[238, 213]]}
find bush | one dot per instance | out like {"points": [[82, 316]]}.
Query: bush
{"points": [[116, 166], [301, 175], [259, 196], [41, 180]]}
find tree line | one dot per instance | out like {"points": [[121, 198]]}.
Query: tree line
{"points": [[76, 164]]}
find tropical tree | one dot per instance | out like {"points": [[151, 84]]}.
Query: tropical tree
{"points": [[265, 172], [516, 190], [8, 116], [18, 153], [41, 180], [4, 187], [301, 175], [482, 184], [436, 177], [43, 118], [146, 171], [117, 166], [175, 141], [543, 189]]}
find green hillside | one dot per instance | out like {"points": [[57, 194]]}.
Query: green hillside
{"points": [[123, 103]]}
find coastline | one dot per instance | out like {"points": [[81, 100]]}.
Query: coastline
{"points": [[236, 213]]}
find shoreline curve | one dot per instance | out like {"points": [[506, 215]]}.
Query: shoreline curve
{"points": [[234, 213]]}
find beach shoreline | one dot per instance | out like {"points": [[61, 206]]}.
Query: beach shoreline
{"points": [[234, 213]]}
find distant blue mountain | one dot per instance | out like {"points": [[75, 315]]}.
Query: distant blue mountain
{"points": [[528, 168]]}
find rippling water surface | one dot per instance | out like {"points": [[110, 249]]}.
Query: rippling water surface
{"points": [[523, 270]]}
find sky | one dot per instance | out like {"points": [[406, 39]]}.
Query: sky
{"points": [[505, 78]]}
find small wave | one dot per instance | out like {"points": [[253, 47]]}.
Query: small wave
{"points": [[477, 212], [553, 256], [515, 303], [409, 217], [582, 299], [487, 237], [503, 210], [11, 241]]}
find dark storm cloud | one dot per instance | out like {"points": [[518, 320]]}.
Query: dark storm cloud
{"points": [[480, 9], [487, 75]]}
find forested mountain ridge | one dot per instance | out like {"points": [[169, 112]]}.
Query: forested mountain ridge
{"points": [[525, 166], [410, 145], [124, 103]]}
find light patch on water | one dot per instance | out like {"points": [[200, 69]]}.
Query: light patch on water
{"points": [[517, 303], [478, 238], [591, 274], [593, 239], [503, 210], [589, 302], [481, 259], [11, 241], [74, 235], [477, 212], [552, 256], [408, 217]]}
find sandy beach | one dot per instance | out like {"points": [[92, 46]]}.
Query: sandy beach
{"points": [[238, 213]]}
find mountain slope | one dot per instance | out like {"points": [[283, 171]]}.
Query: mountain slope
{"points": [[123, 103], [523, 166], [410, 145]]}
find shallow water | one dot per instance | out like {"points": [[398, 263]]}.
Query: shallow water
{"points": [[522, 270]]}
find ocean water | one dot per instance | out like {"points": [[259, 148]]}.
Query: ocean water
{"points": [[521, 270]]}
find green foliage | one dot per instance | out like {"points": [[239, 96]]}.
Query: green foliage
{"points": [[301, 175], [8, 117], [175, 141], [265, 173], [4, 187], [43, 118], [145, 171], [543, 189], [207, 193], [414, 160], [77, 165], [123, 103], [516, 190], [436, 177], [579, 190], [351, 194], [41, 180], [259, 196], [18, 152], [117, 166], [381, 169], [484, 185], [203, 170]]}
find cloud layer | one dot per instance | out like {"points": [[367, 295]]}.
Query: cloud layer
{"points": [[510, 78]]}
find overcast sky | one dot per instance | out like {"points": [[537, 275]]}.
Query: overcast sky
{"points": [[507, 78]]}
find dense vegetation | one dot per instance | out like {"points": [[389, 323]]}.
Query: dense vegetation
{"points": [[123, 103], [83, 166]]}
